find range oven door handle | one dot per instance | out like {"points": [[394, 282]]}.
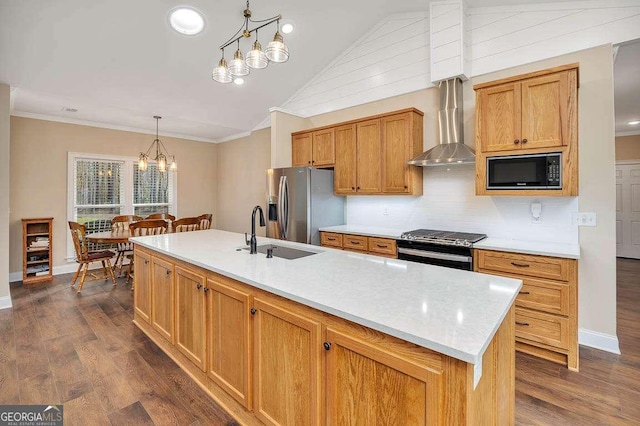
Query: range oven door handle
{"points": [[435, 255]]}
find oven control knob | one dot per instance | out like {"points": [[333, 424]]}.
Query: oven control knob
{"points": [[458, 242]]}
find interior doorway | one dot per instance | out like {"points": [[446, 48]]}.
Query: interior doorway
{"points": [[628, 209]]}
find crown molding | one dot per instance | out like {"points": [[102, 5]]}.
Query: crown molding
{"points": [[233, 137], [47, 117], [286, 111], [631, 133]]}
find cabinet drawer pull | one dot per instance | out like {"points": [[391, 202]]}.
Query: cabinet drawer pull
{"points": [[383, 245], [517, 141], [355, 242], [520, 265], [331, 238], [525, 324], [524, 292]]}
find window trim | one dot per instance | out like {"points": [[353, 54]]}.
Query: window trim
{"points": [[127, 175]]}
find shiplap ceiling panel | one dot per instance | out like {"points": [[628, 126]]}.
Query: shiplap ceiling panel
{"points": [[477, 21]]}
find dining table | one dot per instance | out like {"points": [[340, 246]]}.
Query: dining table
{"points": [[114, 236]]}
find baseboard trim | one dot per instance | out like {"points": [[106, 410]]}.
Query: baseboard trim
{"points": [[57, 270], [594, 339], [5, 302]]}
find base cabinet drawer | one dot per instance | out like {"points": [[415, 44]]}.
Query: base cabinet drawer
{"points": [[355, 242], [545, 296], [331, 239], [383, 246], [553, 268], [541, 327]]}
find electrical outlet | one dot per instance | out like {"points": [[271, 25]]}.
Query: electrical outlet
{"points": [[385, 211], [536, 212], [585, 219]]}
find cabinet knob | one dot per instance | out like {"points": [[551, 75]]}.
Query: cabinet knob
{"points": [[253, 311], [199, 286], [146, 262], [406, 187], [517, 141], [308, 162], [168, 272], [313, 161], [358, 188], [524, 141], [353, 188], [327, 346], [206, 289]]}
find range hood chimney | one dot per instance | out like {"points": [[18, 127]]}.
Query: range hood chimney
{"points": [[451, 149]]}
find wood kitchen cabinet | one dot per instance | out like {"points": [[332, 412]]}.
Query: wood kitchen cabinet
{"points": [[190, 315], [378, 246], [287, 366], [369, 155], [142, 285], [356, 395], [529, 114], [162, 297], [546, 315], [401, 138], [228, 312], [315, 149]]}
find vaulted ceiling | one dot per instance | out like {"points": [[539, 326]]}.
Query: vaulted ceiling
{"points": [[118, 62]]}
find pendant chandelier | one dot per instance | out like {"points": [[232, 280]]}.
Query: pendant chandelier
{"points": [[161, 157], [239, 66]]}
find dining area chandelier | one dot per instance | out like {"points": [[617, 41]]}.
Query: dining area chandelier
{"points": [[256, 58], [161, 154]]}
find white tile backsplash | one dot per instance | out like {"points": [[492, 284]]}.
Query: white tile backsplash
{"points": [[449, 202]]}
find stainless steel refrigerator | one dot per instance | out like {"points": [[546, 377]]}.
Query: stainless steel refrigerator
{"points": [[299, 201]]}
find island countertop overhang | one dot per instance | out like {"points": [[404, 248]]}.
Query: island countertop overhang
{"points": [[449, 311]]}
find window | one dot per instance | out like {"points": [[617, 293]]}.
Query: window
{"points": [[101, 187]]}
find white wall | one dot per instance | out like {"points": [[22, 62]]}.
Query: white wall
{"points": [[5, 298], [394, 57], [449, 202]]}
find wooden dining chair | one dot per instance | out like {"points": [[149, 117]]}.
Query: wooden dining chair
{"points": [[121, 223], [165, 216], [84, 257], [142, 228], [186, 224], [205, 221]]}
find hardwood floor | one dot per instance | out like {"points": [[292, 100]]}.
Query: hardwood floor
{"points": [[84, 352], [606, 391]]}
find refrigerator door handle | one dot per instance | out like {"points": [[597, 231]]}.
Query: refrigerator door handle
{"points": [[281, 207], [285, 204]]}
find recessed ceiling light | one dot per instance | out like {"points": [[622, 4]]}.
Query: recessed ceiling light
{"points": [[186, 20], [287, 28], [238, 81], [634, 122]]}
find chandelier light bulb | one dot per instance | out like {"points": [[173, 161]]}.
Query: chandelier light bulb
{"points": [[277, 51], [221, 72], [237, 67], [162, 163], [256, 58], [174, 166], [142, 163]]}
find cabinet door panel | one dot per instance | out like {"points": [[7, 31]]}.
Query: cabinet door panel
{"points": [[498, 114], [369, 148], [366, 385], [324, 152], [287, 367], [228, 310], [396, 149], [190, 315], [544, 111], [142, 285], [301, 150], [162, 299], [344, 177]]}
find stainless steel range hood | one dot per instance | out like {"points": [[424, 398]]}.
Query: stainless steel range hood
{"points": [[451, 149]]}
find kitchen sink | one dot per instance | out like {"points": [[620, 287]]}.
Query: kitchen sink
{"points": [[283, 252]]}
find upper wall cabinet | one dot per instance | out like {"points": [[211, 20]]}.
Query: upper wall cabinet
{"points": [[313, 149], [369, 155], [529, 114]]}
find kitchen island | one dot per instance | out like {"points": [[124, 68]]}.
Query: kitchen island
{"points": [[331, 338]]}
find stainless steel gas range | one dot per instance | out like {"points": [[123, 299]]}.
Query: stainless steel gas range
{"points": [[442, 248]]}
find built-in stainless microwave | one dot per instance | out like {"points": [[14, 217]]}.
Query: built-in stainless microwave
{"points": [[535, 171]]}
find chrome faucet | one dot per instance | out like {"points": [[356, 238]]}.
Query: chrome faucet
{"points": [[253, 242]]}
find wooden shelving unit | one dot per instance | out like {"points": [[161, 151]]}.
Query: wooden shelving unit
{"points": [[37, 257]]}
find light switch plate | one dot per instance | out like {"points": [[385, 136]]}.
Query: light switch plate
{"points": [[585, 219]]}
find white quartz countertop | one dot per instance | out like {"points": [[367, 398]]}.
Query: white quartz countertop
{"points": [[446, 310], [570, 251], [364, 230]]}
